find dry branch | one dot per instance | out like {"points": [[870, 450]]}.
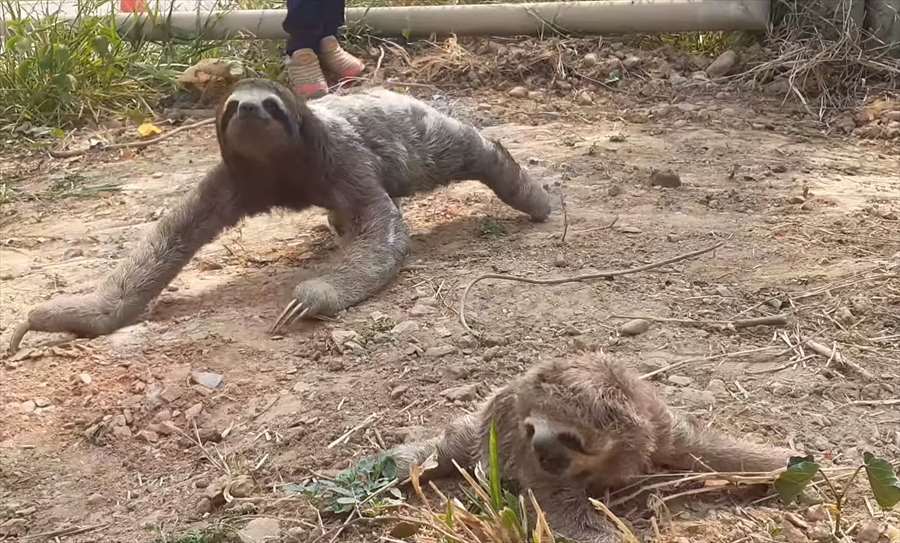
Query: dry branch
{"points": [[770, 320], [834, 354], [574, 279], [141, 143]]}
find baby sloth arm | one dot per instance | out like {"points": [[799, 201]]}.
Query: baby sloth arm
{"points": [[459, 442], [125, 293], [696, 447], [378, 244], [571, 515]]}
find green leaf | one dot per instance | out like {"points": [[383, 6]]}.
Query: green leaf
{"points": [[494, 458], [511, 522], [883, 481], [793, 480]]}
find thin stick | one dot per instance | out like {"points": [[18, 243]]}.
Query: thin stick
{"points": [[369, 420], [562, 204], [65, 532], [892, 401], [575, 279], [141, 143], [771, 320], [833, 354], [680, 363]]}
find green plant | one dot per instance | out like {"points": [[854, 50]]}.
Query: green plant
{"points": [[803, 469], [362, 486], [490, 228]]}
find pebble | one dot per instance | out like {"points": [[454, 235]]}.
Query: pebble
{"points": [[696, 397], [207, 379], [73, 252], [461, 393], [844, 315], [491, 340], [491, 353], [149, 436], [439, 351], [297, 534], [341, 337], [85, 378], [614, 190], [869, 532], [242, 486], [680, 380], [261, 530], [821, 532], [631, 61], [398, 391], [723, 65], [718, 388], [95, 499], [518, 92], [590, 60], [162, 428], [193, 411], [405, 327], [816, 513], [584, 98], [122, 432], [667, 178], [28, 406], [634, 327], [41, 402], [792, 534]]}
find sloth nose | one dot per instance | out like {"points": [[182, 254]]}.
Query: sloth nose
{"points": [[248, 108], [550, 453]]}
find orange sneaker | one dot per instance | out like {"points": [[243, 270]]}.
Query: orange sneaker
{"points": [[338, 61], [305, 76]]}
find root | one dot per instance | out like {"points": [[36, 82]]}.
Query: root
{"points": [[575, 279]]}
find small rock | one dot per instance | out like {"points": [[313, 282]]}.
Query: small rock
{"points": [[491, 340], [41, 402], [821, 532], [122, 432], [700, 398], [796, 199], [149, 436], [405, 327], [723, 65], [261, 530], [207, 379], [193, 411], [242, 486], [614, 190], [584, 98], [844, 315], [28, 406], [518, 92], [680, 380], [421, 310], [535, 95], [297, 534], [85, 378], [563, 85], [560, 261], [869, 532], [204, 505], [718, 388], [590, 60], [816, 513], [162, 428], [398, 391], [491, 353], [341, 337], [667, 178], [209, 435], [95, 499], [631, 61], [439, 351], [634, 327], [792, 534], [14, 527], [461, 393], [73, 252]]}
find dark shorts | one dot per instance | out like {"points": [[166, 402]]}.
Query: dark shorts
{"points": [[308, 21]]}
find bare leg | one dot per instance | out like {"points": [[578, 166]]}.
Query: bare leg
{"points": [[378, 245], [121, 298], [695, 447]]}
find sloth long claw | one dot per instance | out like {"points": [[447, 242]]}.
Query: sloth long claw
{"points": [[17, 336], [294, 310]]}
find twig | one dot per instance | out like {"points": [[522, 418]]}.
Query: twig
{"points": [[892, 401], [680, 363], [65, 532], [596, 228], [833, 354], [562, 204], [141, 143], [771, 320], [575, 279], [369, 420]]}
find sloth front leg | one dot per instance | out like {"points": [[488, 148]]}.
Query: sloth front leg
{"points": [[378, 243], [153, 262], [457, 444]]}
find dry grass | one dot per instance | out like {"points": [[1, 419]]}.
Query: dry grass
{"points": [[827, 60]]}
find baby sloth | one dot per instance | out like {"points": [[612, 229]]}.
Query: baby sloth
{"points": [[570, 429], [353, 155]]}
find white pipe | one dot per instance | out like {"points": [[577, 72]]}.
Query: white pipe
{"points": [[586, 17]]}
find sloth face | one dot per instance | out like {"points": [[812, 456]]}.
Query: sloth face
{"points": [[260, 117]]}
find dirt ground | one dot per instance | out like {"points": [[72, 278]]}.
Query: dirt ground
{"points": [[810, 223]]}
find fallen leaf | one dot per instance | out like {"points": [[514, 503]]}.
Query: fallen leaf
{"points": [[148, 129]]}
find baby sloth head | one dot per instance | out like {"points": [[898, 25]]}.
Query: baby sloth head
{"points": [[259, 118], [585, 428]]}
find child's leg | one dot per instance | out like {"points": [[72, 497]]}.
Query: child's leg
{"points": [[305, 24], [334, 58]]}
